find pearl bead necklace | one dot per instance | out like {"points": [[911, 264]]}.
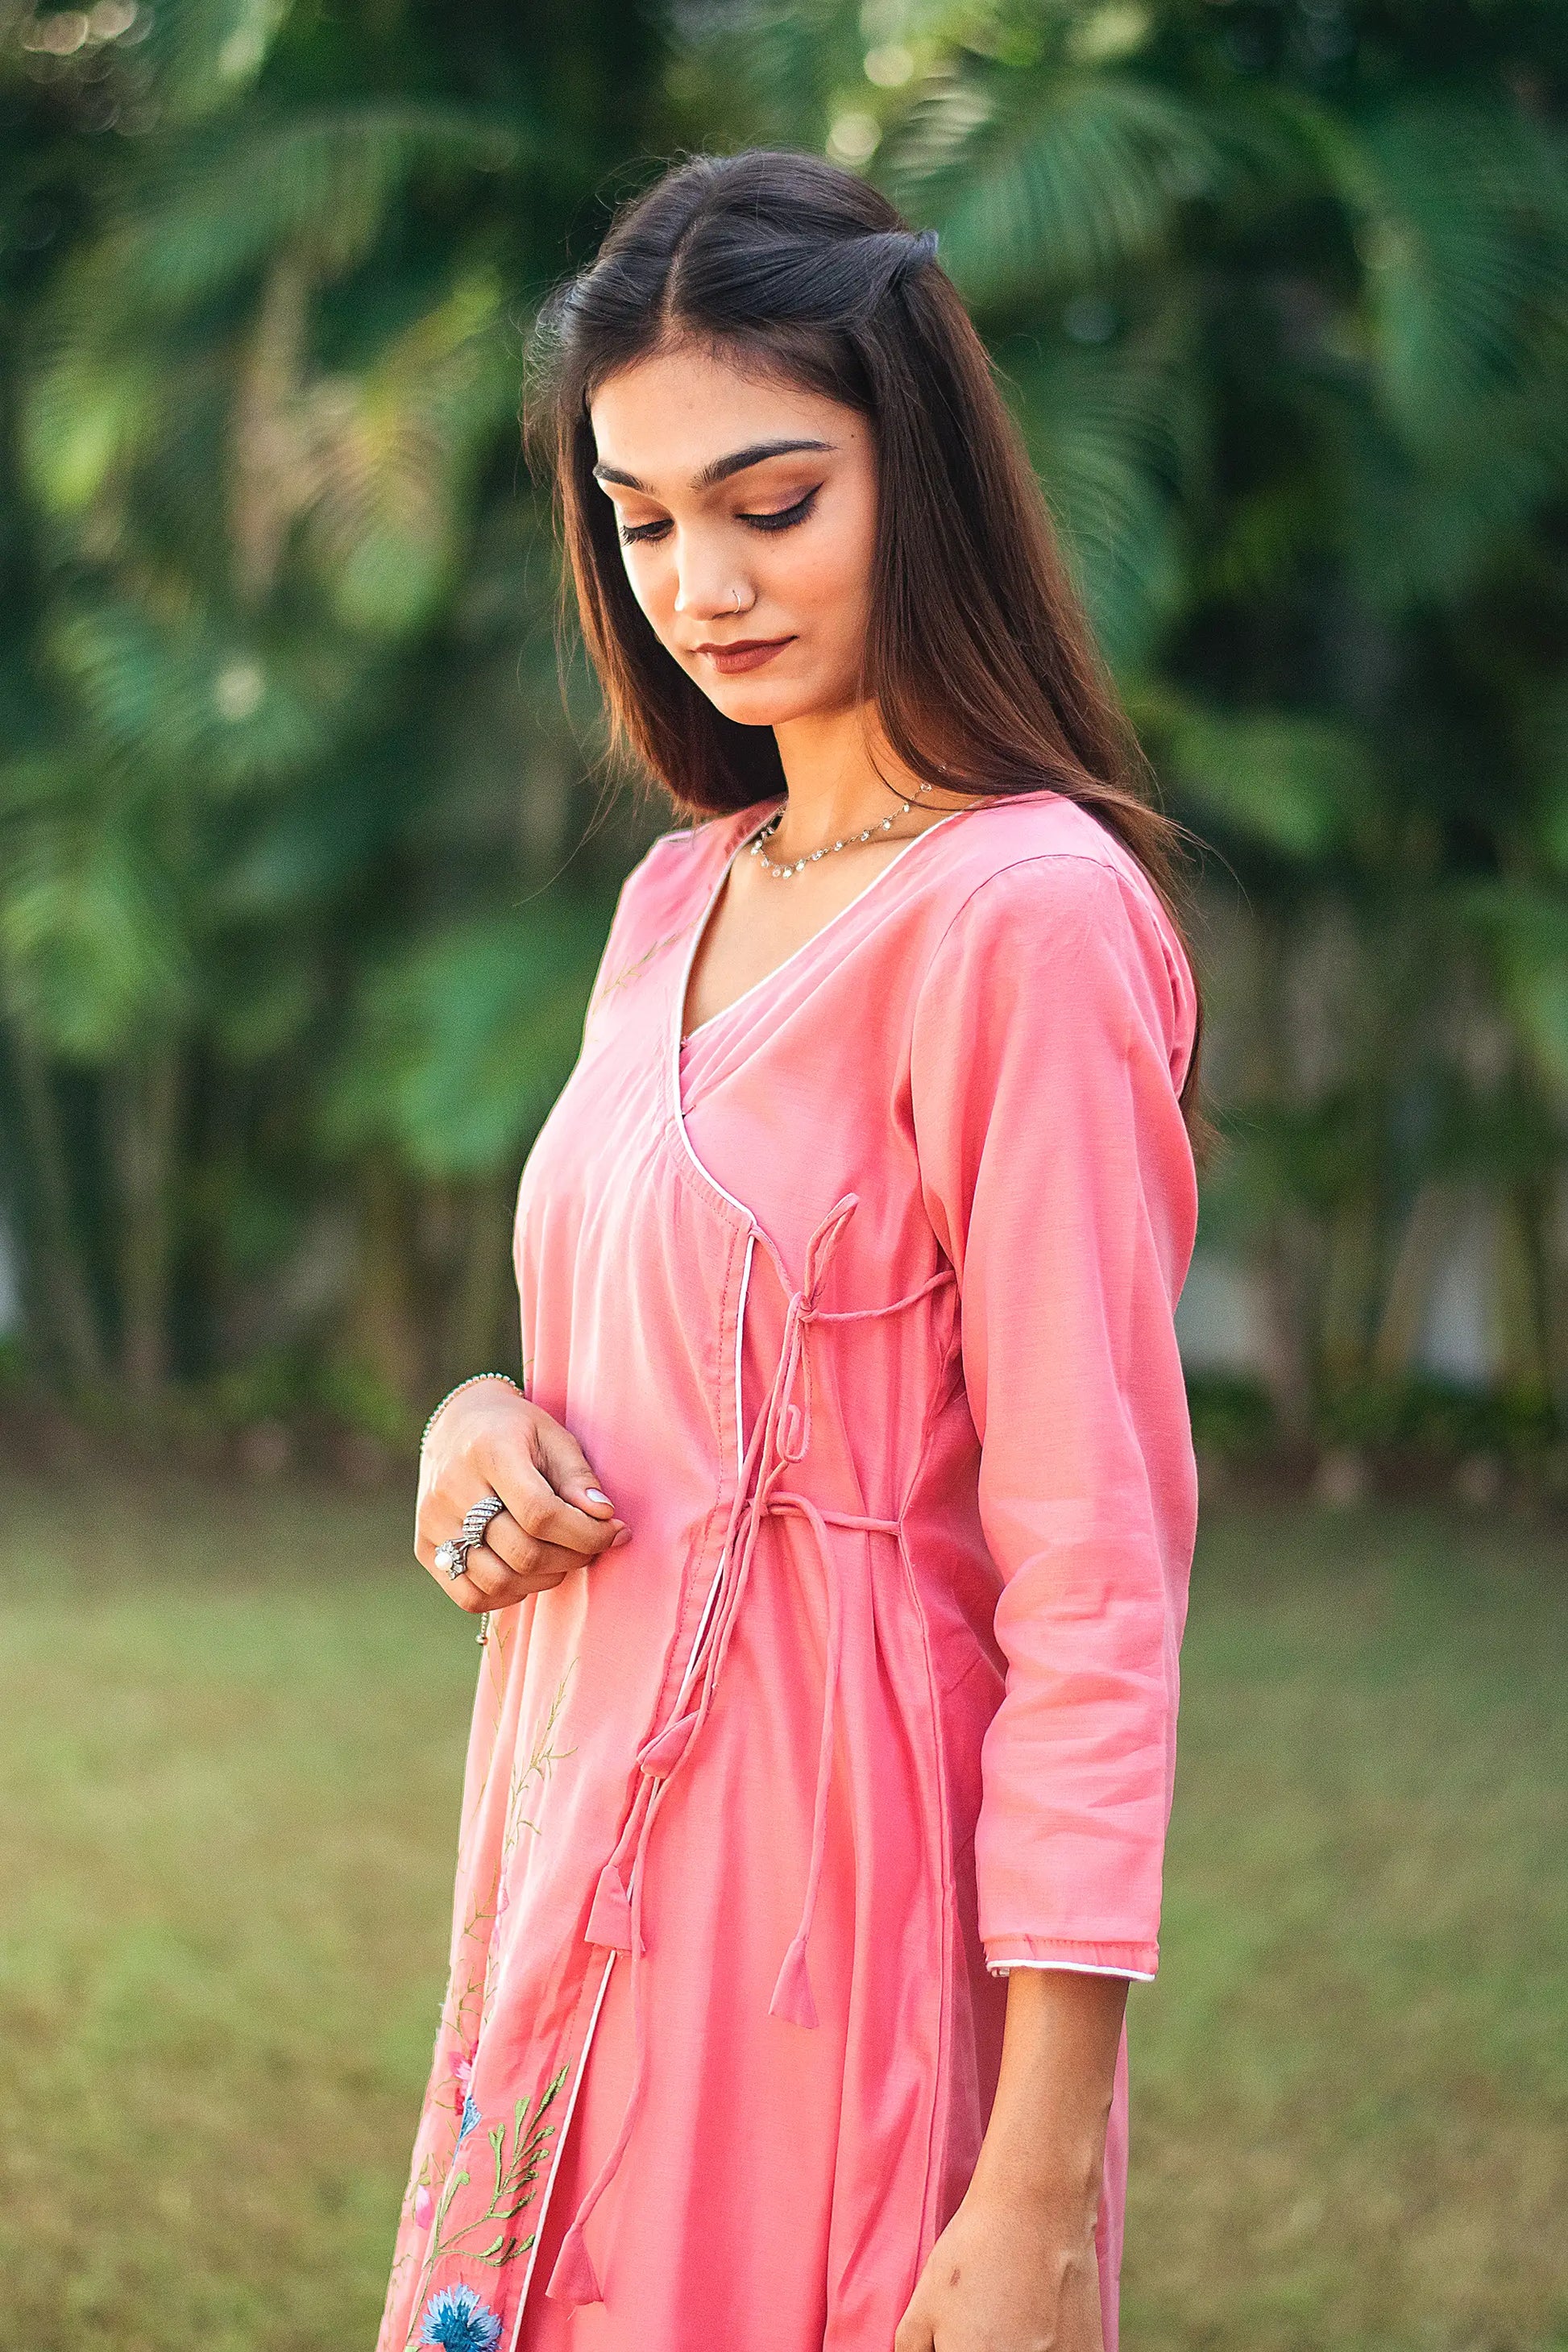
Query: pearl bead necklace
{"points": [[792, 867]]}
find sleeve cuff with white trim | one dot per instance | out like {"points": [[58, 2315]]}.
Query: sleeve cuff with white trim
{"points": [[1004, 1953]]}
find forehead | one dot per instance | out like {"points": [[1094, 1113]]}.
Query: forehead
{"points": [[670, 414]]}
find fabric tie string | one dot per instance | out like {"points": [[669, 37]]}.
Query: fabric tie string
{"points": [[780, 1437]]}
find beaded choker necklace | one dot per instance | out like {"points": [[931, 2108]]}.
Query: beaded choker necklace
{"points": [[829, 848]]}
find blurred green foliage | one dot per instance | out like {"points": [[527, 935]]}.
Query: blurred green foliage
{"points": [[305, 861]]}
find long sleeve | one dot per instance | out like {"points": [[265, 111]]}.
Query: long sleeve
{"points": [[1050, 1037]]}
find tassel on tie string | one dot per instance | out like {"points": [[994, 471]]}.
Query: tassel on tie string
{"points": [[573, 2278], [793, 1997], [610, 1920], [615, 1917]]}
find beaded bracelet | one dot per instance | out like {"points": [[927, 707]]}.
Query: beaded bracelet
{"points": [[472, 1381]]}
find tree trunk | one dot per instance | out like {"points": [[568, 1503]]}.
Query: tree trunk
{"points": [[384, 1333], [1281, 1260], [1350, 1285], [1282, 1269], [1523, 1347], [57, 1273], [1415, 1261], [1552, 1231], [146, 1112]]}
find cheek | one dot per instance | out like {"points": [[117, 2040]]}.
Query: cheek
{"points": [[829, 572], [636, 567]]}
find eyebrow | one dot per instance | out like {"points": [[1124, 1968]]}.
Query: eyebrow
{"points": [[721, 470]]}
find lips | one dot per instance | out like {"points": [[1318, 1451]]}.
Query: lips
{"points": [[745, 653]]}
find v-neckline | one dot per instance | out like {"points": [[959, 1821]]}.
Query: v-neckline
{"points": [[683, 1036], [675, 1043]]}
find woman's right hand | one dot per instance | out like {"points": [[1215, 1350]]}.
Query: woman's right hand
{"points": [[490, 1440]]}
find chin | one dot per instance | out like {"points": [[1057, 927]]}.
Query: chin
{"points": [[760, 703]]}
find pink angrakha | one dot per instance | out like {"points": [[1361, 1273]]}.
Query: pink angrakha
{"points": [[861, 1307]]}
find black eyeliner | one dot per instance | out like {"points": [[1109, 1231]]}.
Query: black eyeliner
{"points": [[781, 518]]}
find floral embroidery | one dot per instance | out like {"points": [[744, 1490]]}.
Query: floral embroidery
{"points": [[473, 1983], [518, 2153], [639, 964], [533, 1774], [471, 1991], [633, 971], [472, 1988], [458, 2322], [538, 1768]]}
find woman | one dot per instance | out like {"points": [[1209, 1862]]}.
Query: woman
{"points": [[839, 1541]]}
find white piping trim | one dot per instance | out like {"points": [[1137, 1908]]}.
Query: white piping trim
{"points": [[740, 1339], [560, 2150], [685, 1687], [687, 1679], [678, 1109], [1074, 1967]]}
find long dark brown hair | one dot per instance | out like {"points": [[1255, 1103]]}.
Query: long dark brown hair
{"points": [[978, 658]]}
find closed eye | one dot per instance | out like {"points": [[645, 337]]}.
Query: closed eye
{"points": [[779, 521], [783, 518]]}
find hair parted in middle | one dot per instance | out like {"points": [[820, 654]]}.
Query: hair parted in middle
{"points": [[978, 656]]}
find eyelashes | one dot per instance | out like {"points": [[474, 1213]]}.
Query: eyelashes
{"points": [[783, 518]]}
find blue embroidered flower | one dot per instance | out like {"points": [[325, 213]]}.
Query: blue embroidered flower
{"points": [[470, 2117], [458, 2322]]}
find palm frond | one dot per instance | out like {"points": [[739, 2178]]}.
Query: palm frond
{"points": [[1420, 526], [1052, 180], [769, 73], [459, 1049], [92, 952], [213, 208], [201, 706], [1286, 782], [1116, 433], [85, 414], [1461, 213], [383, 458], [204, 54]]}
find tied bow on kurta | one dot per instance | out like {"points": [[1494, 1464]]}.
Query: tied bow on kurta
{"points": [[780, 1438]]}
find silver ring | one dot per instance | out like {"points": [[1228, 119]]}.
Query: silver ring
{"points": [[452, 1556]]}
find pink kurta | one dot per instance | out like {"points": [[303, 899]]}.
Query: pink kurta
{"points": [[861, 1307]]}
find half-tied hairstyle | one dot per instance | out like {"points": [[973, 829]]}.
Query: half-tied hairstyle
{"points": [[978, 656]]}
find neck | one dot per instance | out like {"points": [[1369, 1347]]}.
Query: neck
{"points": [[837, 769]]}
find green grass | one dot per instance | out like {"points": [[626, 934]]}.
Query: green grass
{"points": [[1350, 2101], [231, 1728]]}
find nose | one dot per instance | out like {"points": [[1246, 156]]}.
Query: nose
{"points": [[706, 586]]}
